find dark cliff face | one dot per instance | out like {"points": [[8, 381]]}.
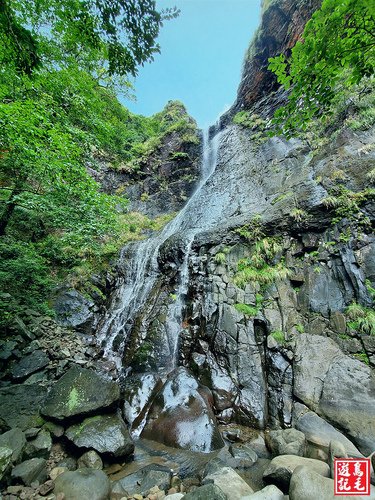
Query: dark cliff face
{"points": [[282, 24]]}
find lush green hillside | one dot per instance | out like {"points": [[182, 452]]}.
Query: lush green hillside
{"points": [[54, 219]]}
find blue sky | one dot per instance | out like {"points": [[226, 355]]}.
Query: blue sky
{"points": [[201, 58]]}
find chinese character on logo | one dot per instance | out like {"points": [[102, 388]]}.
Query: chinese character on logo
{"points": [[352, 476]]}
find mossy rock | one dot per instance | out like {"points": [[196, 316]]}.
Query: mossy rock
{"points": [[80, 392], [103, 433]]}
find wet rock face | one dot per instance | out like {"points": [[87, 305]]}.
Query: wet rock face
{"points": [[138, 395], [79, 392], [281, 26], [181, 415]]}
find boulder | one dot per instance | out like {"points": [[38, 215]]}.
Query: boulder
{"points": [[20, 405], [40, 446], [281, 468], [144, 479], [319, 434], [181, 415], [286, 442], [79, 392], [5, 460], [30, 471], [69, 462], [90, 460], [270, 492], [174, 496], [306, 484], [73, 309], [339, 388], [16, 441], [104, 434], [57, 471], [207, 492], [229, 482], [244, 455], [30, 364], [85, 484]]}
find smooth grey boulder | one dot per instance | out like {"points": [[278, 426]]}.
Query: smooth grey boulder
{"points": [[29, 364], [181, 415], [104, 434], [207, 492], [5, 460], [229, 482], [40, 446], [90, 460], [281, 468], [286, 442], [31, 470], [141, 481], [270, 492], [20, 405], [15, 440], [338, 387], [174, 496], [319, 434], [306, 484], [79, 392], [83, 484]]}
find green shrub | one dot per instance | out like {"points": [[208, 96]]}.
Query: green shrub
{"points": [[361, 319], [279, 336], [246, 309]]}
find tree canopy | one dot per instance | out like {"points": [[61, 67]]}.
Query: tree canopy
{"points": [[337, 51], [104, 37]]}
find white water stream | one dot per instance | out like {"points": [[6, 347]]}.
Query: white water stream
{"points": [[142, 271]]}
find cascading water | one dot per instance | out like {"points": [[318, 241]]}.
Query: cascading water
{"points": [[142, 271]]}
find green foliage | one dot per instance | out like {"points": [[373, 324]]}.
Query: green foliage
{"points": [[261, 267], [103, 38], [247, 120], [362, 319], [55, 222], [253, 230], [25, 276], [178, 156], [246, 309], [347, 204], [220, 258], [300, 328], [370, 289], [279, 336], [362, 357], [336, 52], [298, 214]]}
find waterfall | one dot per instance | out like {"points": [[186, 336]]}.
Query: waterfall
{"points": [[141, 271]]}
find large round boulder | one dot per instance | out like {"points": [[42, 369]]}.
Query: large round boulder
{"points": [[85, 484], [104, 434], [80, 392], [181, 415], [281, 468]]}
